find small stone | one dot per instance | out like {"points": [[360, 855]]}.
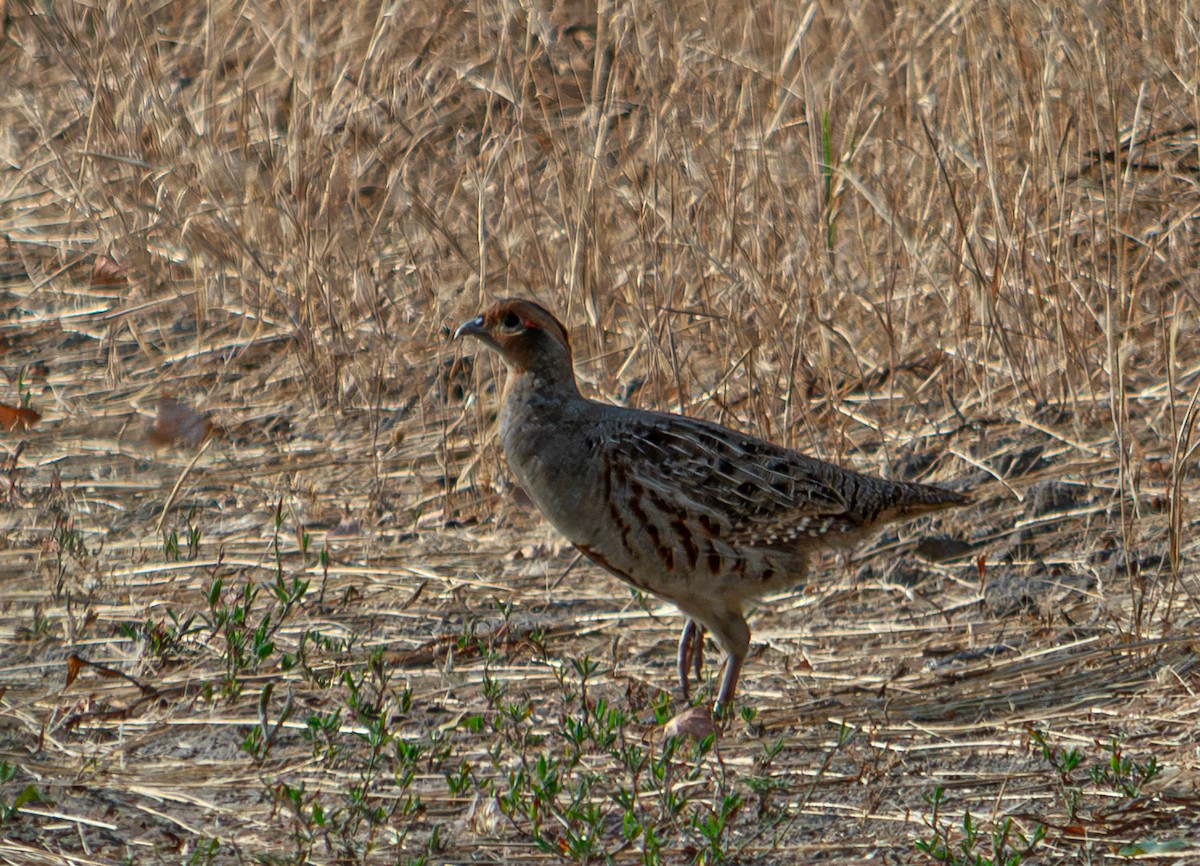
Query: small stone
{"points": [[1047, 497], [942, 548]]}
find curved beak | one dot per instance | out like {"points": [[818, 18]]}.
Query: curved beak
{"points": [[472, 328]]}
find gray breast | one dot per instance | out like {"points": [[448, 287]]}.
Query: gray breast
{"points": [[557, 471]]}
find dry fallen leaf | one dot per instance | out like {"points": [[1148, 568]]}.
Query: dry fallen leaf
{"points": [[74, 664], [178, 423], [694, 722], [14, 418], [107, 271]]}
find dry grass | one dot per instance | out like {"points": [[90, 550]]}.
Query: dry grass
{"points": [[906, 237]]}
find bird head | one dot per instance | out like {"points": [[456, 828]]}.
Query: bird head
{"points": [[526, 335]]}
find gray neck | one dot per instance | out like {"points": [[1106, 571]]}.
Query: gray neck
{"points": [[541, 388]]}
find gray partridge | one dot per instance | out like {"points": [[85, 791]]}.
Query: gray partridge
{"points": [[693, 512]]}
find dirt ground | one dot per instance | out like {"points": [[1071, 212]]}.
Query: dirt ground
{"points": [[267, 592]]}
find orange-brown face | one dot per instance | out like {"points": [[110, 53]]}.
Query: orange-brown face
{"points": [[525, 333]]}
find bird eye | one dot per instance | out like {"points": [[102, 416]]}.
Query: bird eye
{"points": [[511, 321]]}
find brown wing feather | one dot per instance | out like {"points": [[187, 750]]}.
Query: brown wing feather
{"points": [[761, 494]]}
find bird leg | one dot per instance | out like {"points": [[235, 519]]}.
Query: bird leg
{"points": [[691, 653], [733, 667], [734, 635]]}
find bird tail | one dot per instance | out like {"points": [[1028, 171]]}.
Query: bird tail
{"points": [[912, 500]]}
